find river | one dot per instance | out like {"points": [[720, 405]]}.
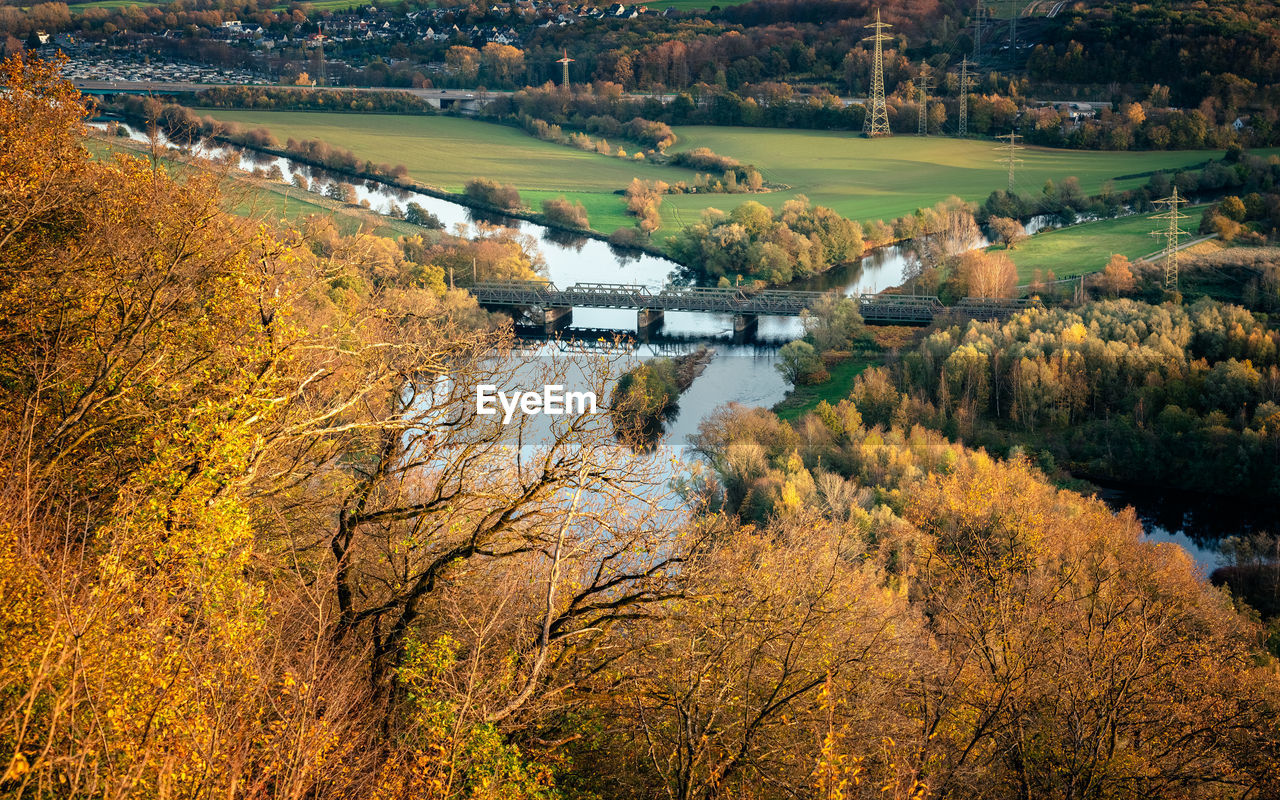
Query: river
{"points": [[739, 373]]}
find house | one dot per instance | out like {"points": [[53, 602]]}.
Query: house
{"points": [[1242, 122]]}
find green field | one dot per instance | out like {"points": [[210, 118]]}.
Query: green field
{"points": [[112, 4], [861, 178], [323, 5], [446, 152], [887, 178], [287, 205], [1080, 249]]}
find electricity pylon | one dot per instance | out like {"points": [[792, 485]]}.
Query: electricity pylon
{"points": [[1010, 156], [923, 84], [1171, 235], [979, 22], [320, 76], [877, 121], [566, 61], [1013, 27], [966, 83]]}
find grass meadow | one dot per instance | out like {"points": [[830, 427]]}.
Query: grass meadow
{"points": [[1087, 247], [446, 152], [884, 178], [113, 4], [864, 179]]}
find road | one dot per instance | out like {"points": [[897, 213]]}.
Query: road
{"points": [[182, 87]]}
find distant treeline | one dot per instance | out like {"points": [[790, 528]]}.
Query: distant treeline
{"points": [[1148, 123], [305, 99]]}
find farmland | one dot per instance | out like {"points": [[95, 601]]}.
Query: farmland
{"points": [[861, 178], [113, 4], [446, 152], [886, 178]]}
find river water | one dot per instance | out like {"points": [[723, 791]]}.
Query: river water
{"points": [[739, 373]]}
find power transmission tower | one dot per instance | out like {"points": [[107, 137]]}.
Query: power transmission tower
{"points": [[1171, 235], [877, 121], [565, 62], [1013, 27], [979, 23], [1010, 156], [966, 83], [320, 77], [923, 84]]}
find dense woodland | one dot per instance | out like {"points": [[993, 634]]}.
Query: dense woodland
{"points": [[1120, 390], [257, 546]]}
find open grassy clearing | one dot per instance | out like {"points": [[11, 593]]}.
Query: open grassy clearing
{"points": [[447, 152], [885, 178], [1087, 247]]}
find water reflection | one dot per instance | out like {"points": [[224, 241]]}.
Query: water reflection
{"points": [[1195, 522]]}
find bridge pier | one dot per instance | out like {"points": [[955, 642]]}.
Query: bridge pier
{"points": [[744, 327], [556, 317], [648, 321]]}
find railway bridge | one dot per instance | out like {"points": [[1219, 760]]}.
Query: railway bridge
{"points": [[553, 307]]}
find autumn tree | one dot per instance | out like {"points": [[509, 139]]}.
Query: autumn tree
{"points": [[728, 687], [464, 62], [1009, 231], [502, 61], [987, 274], [258, 498], [1117, 277], [561, 211]]}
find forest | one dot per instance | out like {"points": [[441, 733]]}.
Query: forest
{"points": [[259, 543], [1119, 390]]}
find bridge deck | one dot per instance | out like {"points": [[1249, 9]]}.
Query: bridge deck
{"points": [[769, 302], [880, 308]]}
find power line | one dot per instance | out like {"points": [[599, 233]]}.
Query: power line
{"points": [[966, 82], [923, 84], [877, 120], [1171, 234], [1010, 156]]}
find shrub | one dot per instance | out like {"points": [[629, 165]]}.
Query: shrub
{"points": [[561, 211], [490, 192]]}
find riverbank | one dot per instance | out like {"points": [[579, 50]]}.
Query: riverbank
{"points": [[736, 374]]}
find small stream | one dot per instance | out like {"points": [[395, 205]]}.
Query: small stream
{"points": [[739, 373]]}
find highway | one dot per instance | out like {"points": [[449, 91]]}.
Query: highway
{"points": [[180, 87]]}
